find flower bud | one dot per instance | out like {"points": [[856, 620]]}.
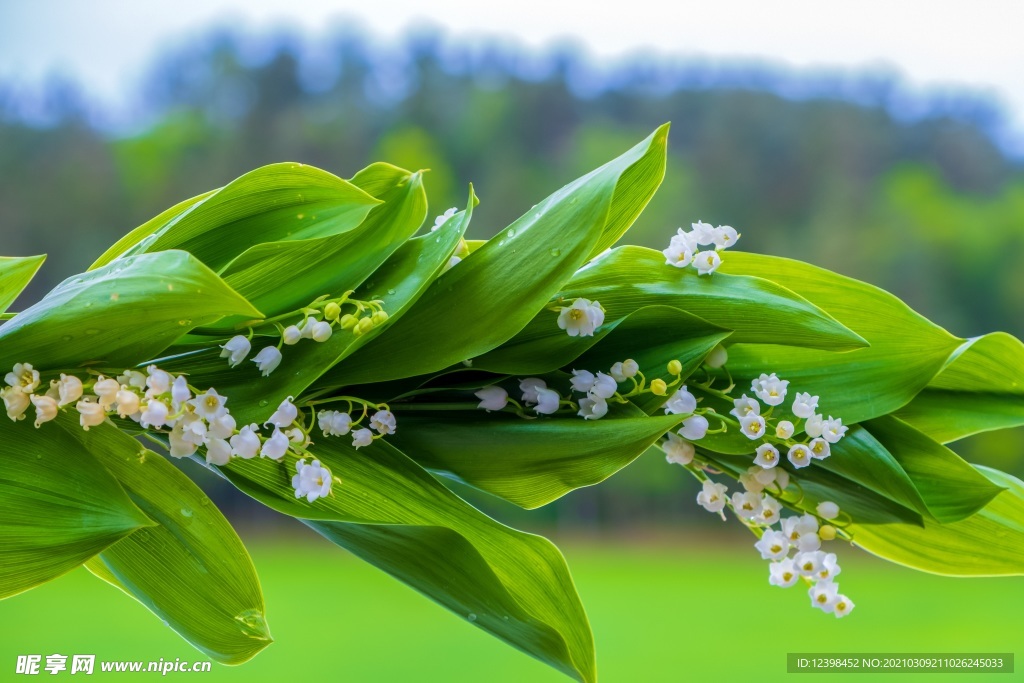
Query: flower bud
{"points": [[292, 335], [348, 321], [658, 387], [717, 357], [322, 331], [379, 317], [675, 367], [827, 532], [365, 325], [332, 311]]}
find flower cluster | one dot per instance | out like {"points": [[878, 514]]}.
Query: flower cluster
{"points": [[337, 423], [685, 247], [821, 432], [317, 324], [581, 318], [162, 402], [597, 390]]}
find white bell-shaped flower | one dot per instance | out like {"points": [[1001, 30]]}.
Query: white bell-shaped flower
{"points": [[712, 496], [682, 401], [694, 428], [383, 422], [804, 405], [284, 415], [833, 429], [236, 349], [744, 406], [46, 408], [218, 452], [767, 456], [23, 377], [706, 262], [154, 413], [16, 402], [267, 359], [581, 318], [783, 573], [678, 450], [246, 443], [311, 481], [221, 427], [547, 401], [530, 386], [70, 389], [752, 426], [784, 429], [593, 408], [362, 437], [276, 446], [492, 397], [773, 545], [91, 413]]}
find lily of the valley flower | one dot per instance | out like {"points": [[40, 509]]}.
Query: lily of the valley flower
{"points": [[681, 402], [492, 397], [312, 481], [804, 405], [276, 446], [773, 545], [770, 509], [819, 448], [91, 413], [23, 377], [827, 510], [16, 402], [679, 252], [443, 218], [106, 390], [718, 357], [706, 262], [218, 452], [530, 386], [678, 450], [784, 429], [694, 428], [592, 408], [221, 427], [752, 426], [767, 456], [832, 429], [547, 401], [158, 381], [362, 437], [783, 573], [46, 408], [284, 415], [236, 349], [383, 422], [246, 443], [628, 368], [724, 236], [334, 423], [712, 496], [70, 389], [267, 360], [210, 405], [180, 447], [824, 596], [321, 331], [746, 504], [799, 455], [179, 392], [744, 406], [770, 389], [154, 413], [581, 318], [842, 606], [813, 426]]}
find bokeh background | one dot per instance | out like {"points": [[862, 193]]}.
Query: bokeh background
{"points": [[855, 167]]}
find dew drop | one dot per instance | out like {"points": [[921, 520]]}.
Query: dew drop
{"points": [[88, 304], [186, 512], [511, 232], [204, 501], [263, 403], [391, 291], [505, 617], [501, 243], [472, 617], [556, 252]]}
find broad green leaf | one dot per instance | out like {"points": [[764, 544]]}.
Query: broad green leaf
{"points": [[949, 486], [393, 514], [906, 349], [988, 543], [146, 229], [527, 462], [286, 275], [191, 570], [495, 291], [981, 389], [630, 278], [279, 202], [399, 282], [120, 314], [15, 274], [58, 506]]}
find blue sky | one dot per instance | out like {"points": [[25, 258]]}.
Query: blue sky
{"points": [[934, 46]]}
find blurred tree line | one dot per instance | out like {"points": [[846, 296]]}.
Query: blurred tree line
{"points": [[929, 208]]}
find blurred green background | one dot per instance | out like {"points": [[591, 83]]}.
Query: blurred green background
{"points": [[927, 207]]}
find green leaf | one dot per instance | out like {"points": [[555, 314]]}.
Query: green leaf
{"points": [[15, 274], [495, 291], [630, 278], [988, 543], [58, 506], [278, 277], [120, 314], [528, 462], [191, 570], [981, 389], [393, 514], [399, 282], [146, 229], [906, 349], [949, 486], [278, 202]]}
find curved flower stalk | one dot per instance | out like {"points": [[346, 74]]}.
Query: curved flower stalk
{"points": [[529, 365]]}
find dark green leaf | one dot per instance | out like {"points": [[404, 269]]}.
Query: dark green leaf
{"points": [[120, 314], [58, 506]]}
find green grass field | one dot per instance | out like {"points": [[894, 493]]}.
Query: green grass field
{"points": [[680, 610]]}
